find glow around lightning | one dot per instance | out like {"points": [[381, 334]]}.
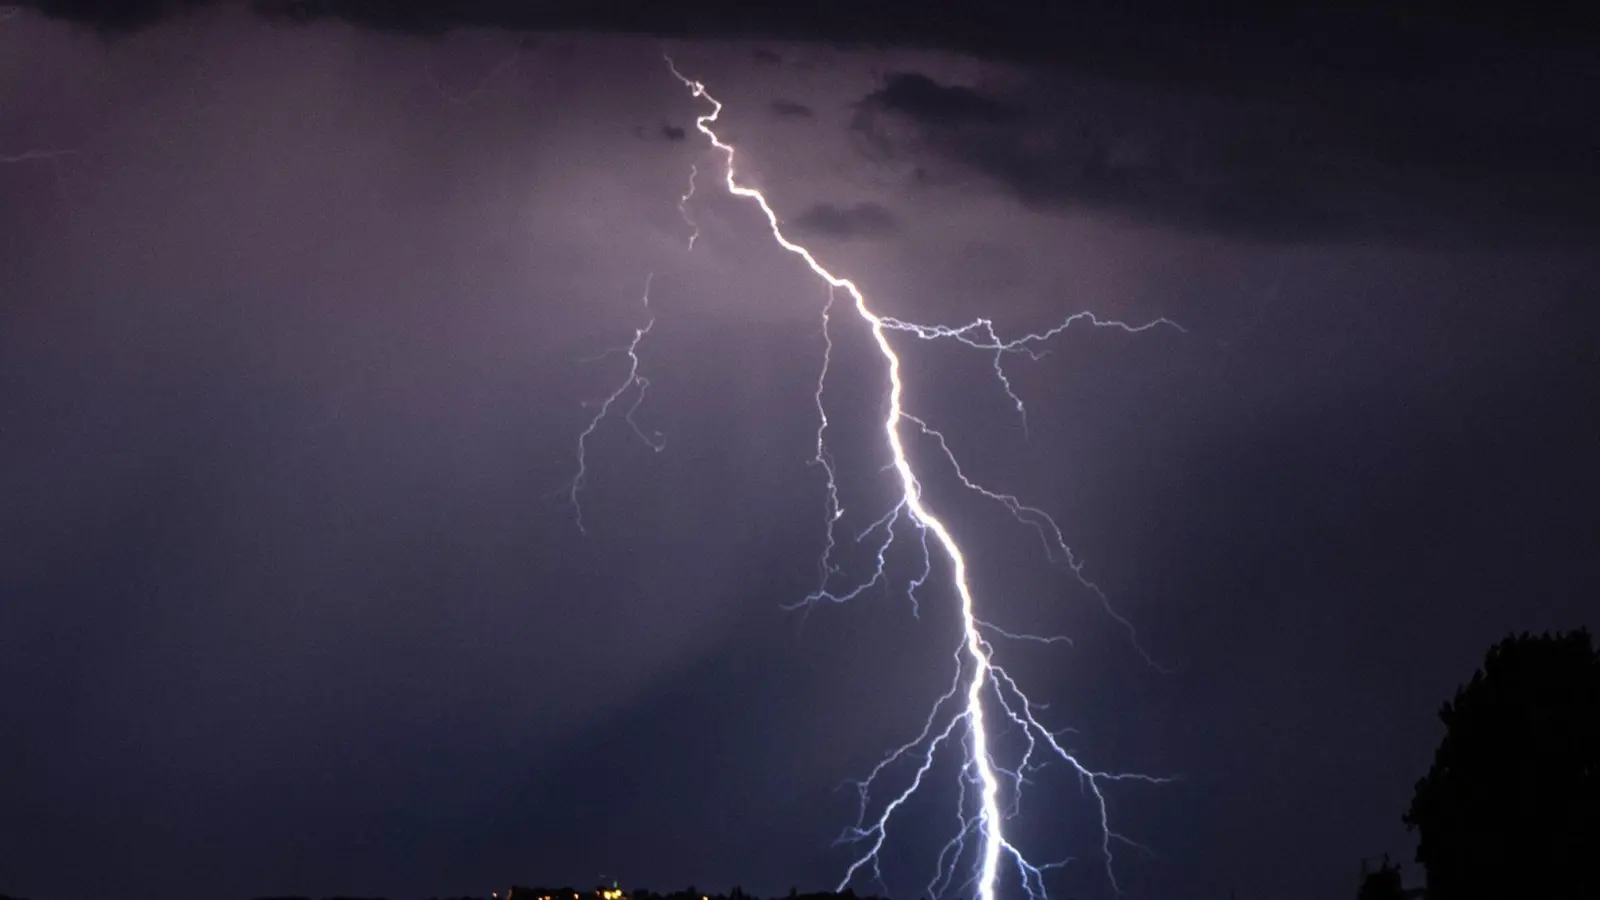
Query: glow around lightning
{"points": [[980, 688]]}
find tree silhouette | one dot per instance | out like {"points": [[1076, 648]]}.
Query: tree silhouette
{"points": [[1382, 884], [1511, 806]]}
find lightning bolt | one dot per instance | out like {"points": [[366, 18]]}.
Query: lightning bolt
{"points": [[961, 715], [652, 438], [683, 208]]}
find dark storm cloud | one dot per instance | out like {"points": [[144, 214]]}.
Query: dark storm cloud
{"points": [[1412, 163], [766, 57], [664, 132], [925, 100], [790, 109], [1150, 38], [860, 220], [1336, 120]]}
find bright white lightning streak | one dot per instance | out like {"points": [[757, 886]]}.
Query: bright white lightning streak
{"points": [[653, 439], [1041, 522], [985, 678], [912, 500]]}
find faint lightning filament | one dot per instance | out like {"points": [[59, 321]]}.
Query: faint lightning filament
{"points": [[635, 382], [683, 208], [56, 159]]}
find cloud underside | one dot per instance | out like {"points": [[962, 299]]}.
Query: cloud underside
{"points": [[1268, 168], [790, 109], [1347, 120], [1158, 38], [860, 220]]}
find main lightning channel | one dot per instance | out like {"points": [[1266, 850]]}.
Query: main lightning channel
{"points": [[973, 656], [990, 783]]}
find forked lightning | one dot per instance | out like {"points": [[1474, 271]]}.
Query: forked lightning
{"points": [[980, 688]]}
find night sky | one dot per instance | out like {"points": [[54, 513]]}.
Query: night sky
{"points": [[301, 305]]}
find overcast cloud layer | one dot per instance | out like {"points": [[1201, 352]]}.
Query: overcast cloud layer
{"points": [[1350, 121]]}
